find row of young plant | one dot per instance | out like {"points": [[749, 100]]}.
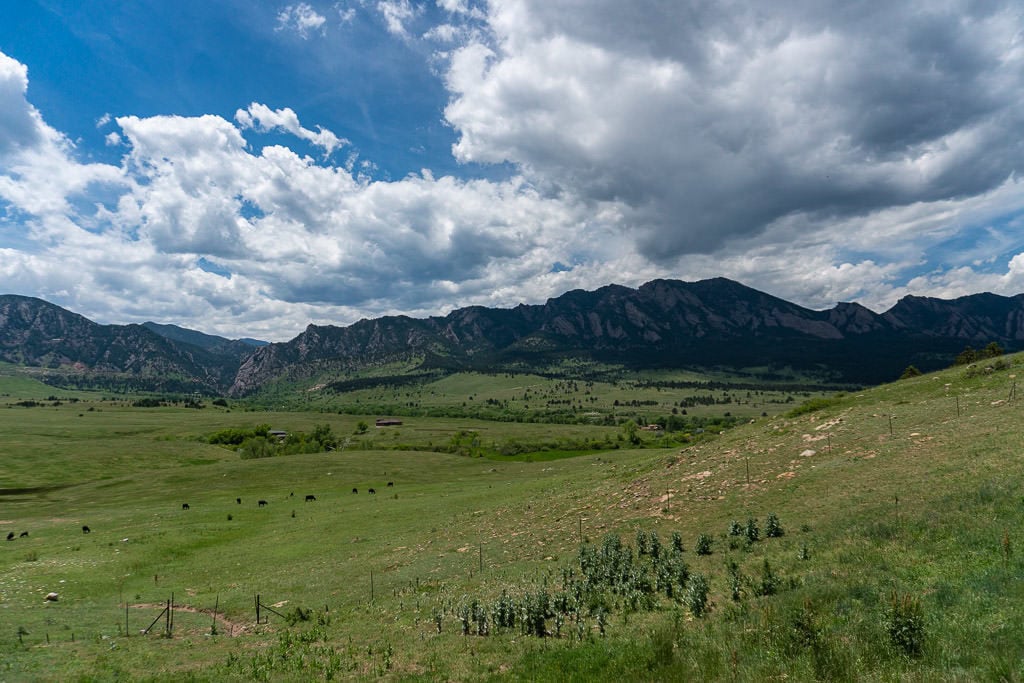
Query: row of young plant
{"points": [[608, 578]]}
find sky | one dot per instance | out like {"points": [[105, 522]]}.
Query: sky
{"points": [[246, 168]]}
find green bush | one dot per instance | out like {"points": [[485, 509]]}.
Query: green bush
{"points": [[910, 371], [772, 527], [752, 531], [769, 584], [904, 623], [703, 546], [257, 447], [696, 596]]}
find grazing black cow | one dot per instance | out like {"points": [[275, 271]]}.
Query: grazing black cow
{"points": [[86, 530], [184, 506], [355, 490], [391, 483], [238, 500], [262, 503], [23, 534], [372, 491], [10, 536], [310, 497]]}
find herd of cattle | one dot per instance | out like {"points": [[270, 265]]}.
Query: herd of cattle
{"points": [[185, 506]]}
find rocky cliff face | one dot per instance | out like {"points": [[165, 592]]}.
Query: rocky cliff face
{"points": [[36, 333], [977, 319], [664, 322]]}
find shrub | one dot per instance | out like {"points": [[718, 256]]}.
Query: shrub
{"points": [[296, 615], [654, 545], [641, 543], [769, 584], [735, 580], [703, 546], [910, 371], [904, 622], [735, 529], [752, 531], [256, 447], [772, 527], [696, 597]]}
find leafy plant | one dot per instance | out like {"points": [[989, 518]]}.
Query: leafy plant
{"points": [[904, 623], [696, 596], [752, 531], [735, 581], [703, 545], [772, 527], [769, 584]]}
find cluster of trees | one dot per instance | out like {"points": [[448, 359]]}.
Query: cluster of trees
{"points": [[259, 443], [969, 355]]}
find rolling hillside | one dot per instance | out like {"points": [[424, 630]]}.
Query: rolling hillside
{"points": [[899, 555]]}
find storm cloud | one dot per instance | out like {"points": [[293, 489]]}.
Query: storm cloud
{"points": [[709, 121]]}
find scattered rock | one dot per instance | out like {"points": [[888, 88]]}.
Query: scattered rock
{"points": [[52, 597]]}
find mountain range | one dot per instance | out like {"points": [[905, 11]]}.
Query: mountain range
{"points": [[716, 323]]}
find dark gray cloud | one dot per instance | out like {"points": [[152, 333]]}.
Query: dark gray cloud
{"points": [[710, 121]]}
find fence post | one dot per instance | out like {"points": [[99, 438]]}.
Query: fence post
{"points": [[213, 628]]}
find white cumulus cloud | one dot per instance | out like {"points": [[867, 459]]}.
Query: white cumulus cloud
{"points": [[262, 118], [300, 18]]}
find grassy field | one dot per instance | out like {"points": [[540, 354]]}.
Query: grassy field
{"points": [[901, 557], [639, 395]]}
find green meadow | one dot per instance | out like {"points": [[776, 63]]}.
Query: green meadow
{"points": [[606, 395], [898, 553]]}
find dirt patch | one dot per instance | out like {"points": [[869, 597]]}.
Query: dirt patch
{"points": [[224, 626]]}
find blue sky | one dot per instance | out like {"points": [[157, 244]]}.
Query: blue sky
{"points": [[246, 168]]}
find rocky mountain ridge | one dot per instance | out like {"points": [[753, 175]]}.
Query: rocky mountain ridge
{"points": [[72, 349], [661, 324], [664, 323]]}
